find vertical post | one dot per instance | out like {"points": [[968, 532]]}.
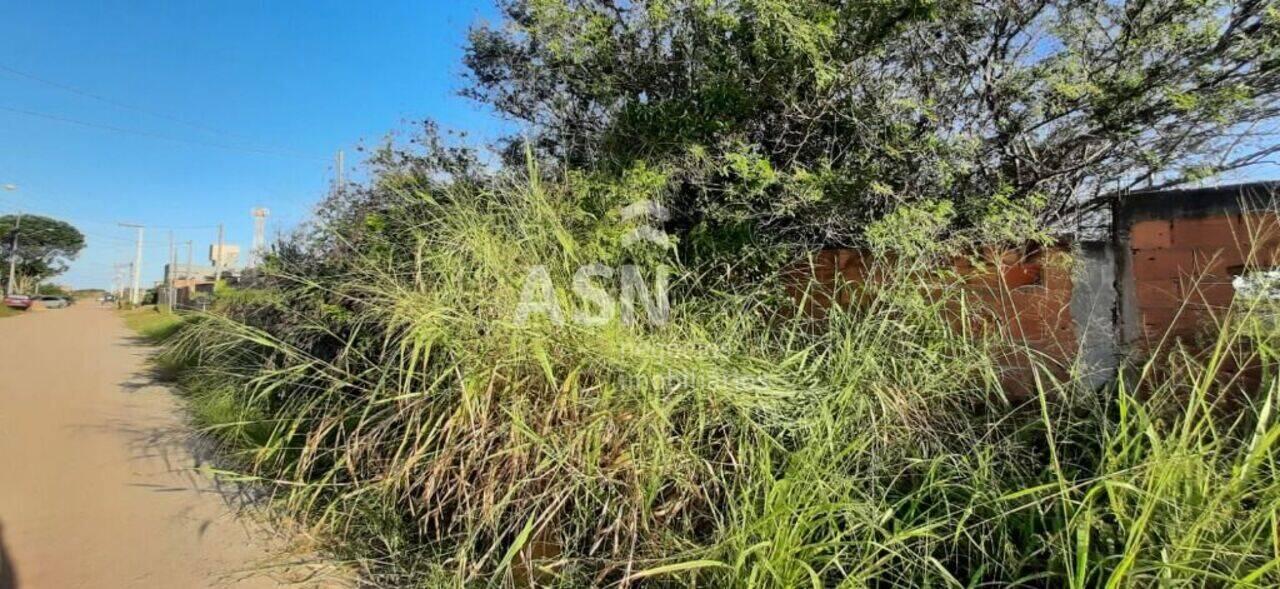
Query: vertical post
{"points": [[169, 299], [119, 278], [137, 271], [190, 284], [126, 272], [340, 166], [217, 259], [13, 256], [137, 266]]}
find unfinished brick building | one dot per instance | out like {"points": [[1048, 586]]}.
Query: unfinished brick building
{"points": [[1173, 259], [1183, 251]]}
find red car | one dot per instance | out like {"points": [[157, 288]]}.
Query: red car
{"points": [[17, 301]]}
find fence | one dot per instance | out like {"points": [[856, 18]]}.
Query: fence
{"points": [[1173, 259]]}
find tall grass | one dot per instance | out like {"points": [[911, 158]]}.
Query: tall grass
{"points": [[389, 398]]}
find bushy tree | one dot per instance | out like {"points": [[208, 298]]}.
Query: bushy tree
{"points": [[804, 120], [45, 246]]}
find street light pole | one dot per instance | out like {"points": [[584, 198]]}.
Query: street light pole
{"points": [[13, 256], [13, 250]]}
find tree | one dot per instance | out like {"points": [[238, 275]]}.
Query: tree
{"points": [[45, 246], [809, 119]]}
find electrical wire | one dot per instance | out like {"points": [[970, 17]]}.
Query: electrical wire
{"points": [[134, 108], [150, 135], [79, 225]]}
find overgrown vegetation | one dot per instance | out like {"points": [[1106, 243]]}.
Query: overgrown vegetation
{"points": [[799, 121], [384, 382], [398, 404]]}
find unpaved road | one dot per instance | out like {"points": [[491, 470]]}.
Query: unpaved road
{"points": [[97, 486]]}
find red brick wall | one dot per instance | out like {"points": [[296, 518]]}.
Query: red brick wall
{"points": [[1182, 267], [1175, 254], [1026, 295]]}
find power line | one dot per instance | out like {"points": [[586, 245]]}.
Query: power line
{"points": [[137, 109], [184, 228], [150, 135], [28, 210], [106, 100], [78, 224]]}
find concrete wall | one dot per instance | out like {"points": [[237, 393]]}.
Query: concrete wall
{"points": [[1093, 311]]}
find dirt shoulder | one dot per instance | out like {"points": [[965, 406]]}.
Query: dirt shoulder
{"points": [[98, 484]]}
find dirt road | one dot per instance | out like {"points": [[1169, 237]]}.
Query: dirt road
{"points": [[97, 486]]}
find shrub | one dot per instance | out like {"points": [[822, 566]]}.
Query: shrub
{"points": [[390, 397]]}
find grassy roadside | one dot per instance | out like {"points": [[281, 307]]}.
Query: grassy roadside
{"points": [[391, 399], [151, 323], [7, 312]]}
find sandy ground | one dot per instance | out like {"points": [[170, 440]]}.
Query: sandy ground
{"points": [[97, 485]]}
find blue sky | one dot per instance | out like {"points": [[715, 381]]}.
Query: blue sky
{"points": [[201, 111]]}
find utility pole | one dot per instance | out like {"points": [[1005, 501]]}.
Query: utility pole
{"points": [[119, 276], [126, 270], [13, 256], [13, 251], [340, 165], [190, 285], [134, 297], [217, 259], [172, 263]]}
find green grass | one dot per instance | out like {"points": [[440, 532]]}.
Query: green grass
{"points": [[157, 325], [386, 396], [7, 312], [151, 323]]}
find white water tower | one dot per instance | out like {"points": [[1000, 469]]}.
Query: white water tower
{"points": [[259, 234]]}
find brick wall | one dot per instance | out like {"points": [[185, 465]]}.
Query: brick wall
{"points": [[1183, 267], [1168, 269], [1182, 249], [1024, 294]]}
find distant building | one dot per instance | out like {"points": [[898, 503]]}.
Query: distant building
{"points": [[191, 272], [229, 255], [191, 281]]}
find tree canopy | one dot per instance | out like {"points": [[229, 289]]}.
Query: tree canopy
{"points": [[45, 245], [811, 119]]}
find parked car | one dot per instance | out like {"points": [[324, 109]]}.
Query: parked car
{"points": [[53, 302], [17, 301]]}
